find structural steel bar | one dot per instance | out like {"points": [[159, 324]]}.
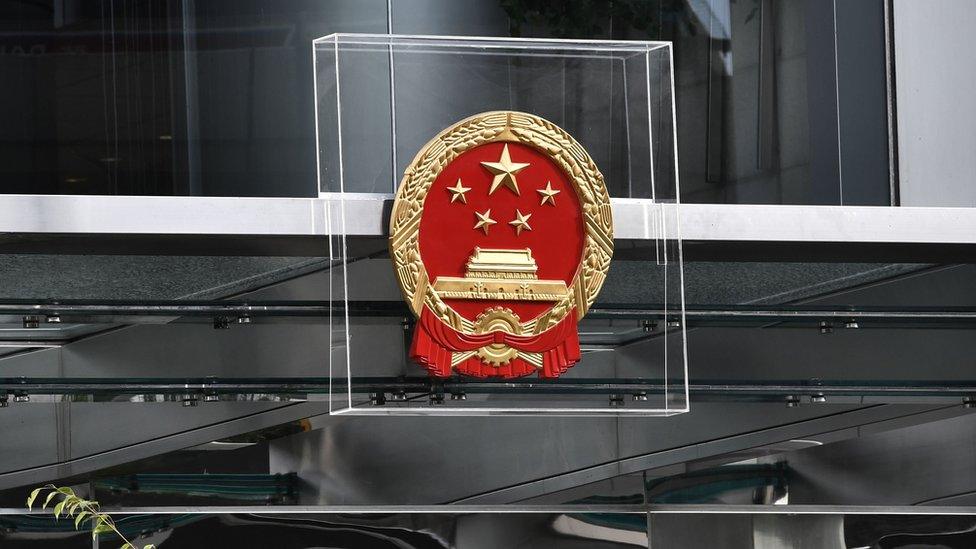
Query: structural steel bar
{"points": [[297, 386], [366, 214], [180, 308], [529, 509]]}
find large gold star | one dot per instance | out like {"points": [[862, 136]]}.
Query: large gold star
{"points": [[504, 171], [521, 222], [484, 220], [548, 194], [457, 191]]}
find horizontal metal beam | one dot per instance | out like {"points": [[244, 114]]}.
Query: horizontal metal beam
{"points": [[449, 509], [291, 388], [366, 215], [834, 224], [60, 309], [160, 215]]}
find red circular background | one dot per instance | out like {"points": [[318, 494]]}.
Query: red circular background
{"points": [[447, 237]]}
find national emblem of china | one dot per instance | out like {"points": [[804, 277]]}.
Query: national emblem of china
{"points": [[501, 236]]}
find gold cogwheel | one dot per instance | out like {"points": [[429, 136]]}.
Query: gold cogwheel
{"points": [[492, 320]]}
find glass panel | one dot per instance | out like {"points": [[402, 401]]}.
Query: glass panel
{"points": [[779, 102], [615, 95], [214, 98], [601, 94]]}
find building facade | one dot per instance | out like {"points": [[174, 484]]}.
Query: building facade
{"points": [[203, 328]]}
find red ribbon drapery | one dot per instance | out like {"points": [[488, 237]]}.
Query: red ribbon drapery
{"points": [[434, 342]]}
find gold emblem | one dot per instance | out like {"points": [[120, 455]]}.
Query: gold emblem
{"points": [[501, 274]]}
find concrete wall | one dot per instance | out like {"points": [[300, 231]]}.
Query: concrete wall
{"points": [[935, 79]]}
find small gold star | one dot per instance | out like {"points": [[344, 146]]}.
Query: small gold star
{"points": [[548, 194], [521, 222], [484, 220], [457, 191], [504, 171]]}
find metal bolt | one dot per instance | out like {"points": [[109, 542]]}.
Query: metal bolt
{"points": [[818, 398], [647, 326], [31, 322], [377, 399], [969, 402], [437, 398], [221, 323], [405, 324], [640, 397], [792, 401], [826, 328], [459, 396], [243, 319], [211, 397], [54, 319], [190, 400], [398, 396], [616, 400], [23, 397], [3, 402], [851, 324], [674, 324]]}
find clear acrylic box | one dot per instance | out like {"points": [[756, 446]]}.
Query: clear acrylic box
{"points": [[381, 98]]}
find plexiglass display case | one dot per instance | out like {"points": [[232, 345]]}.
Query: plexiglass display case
{"points": [[380, 98]]}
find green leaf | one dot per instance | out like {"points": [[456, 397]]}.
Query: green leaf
{"points": [[32, 497], [66, 491], [101, 529], [77, 505], [78, 519], [58, 508], [150, 546], [48, 499]]}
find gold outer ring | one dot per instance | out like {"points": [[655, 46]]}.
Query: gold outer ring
{"points": [[491, 127]]}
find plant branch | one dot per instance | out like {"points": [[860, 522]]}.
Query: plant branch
{"points": [[63, 501]]}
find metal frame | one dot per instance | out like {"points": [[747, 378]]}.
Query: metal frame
{"points": [[635, 219], [891, 103], [243, 311], [529, 509], [294, 389]]}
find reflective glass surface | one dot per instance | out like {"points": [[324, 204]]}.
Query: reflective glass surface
{"points": [[778, 102]]}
